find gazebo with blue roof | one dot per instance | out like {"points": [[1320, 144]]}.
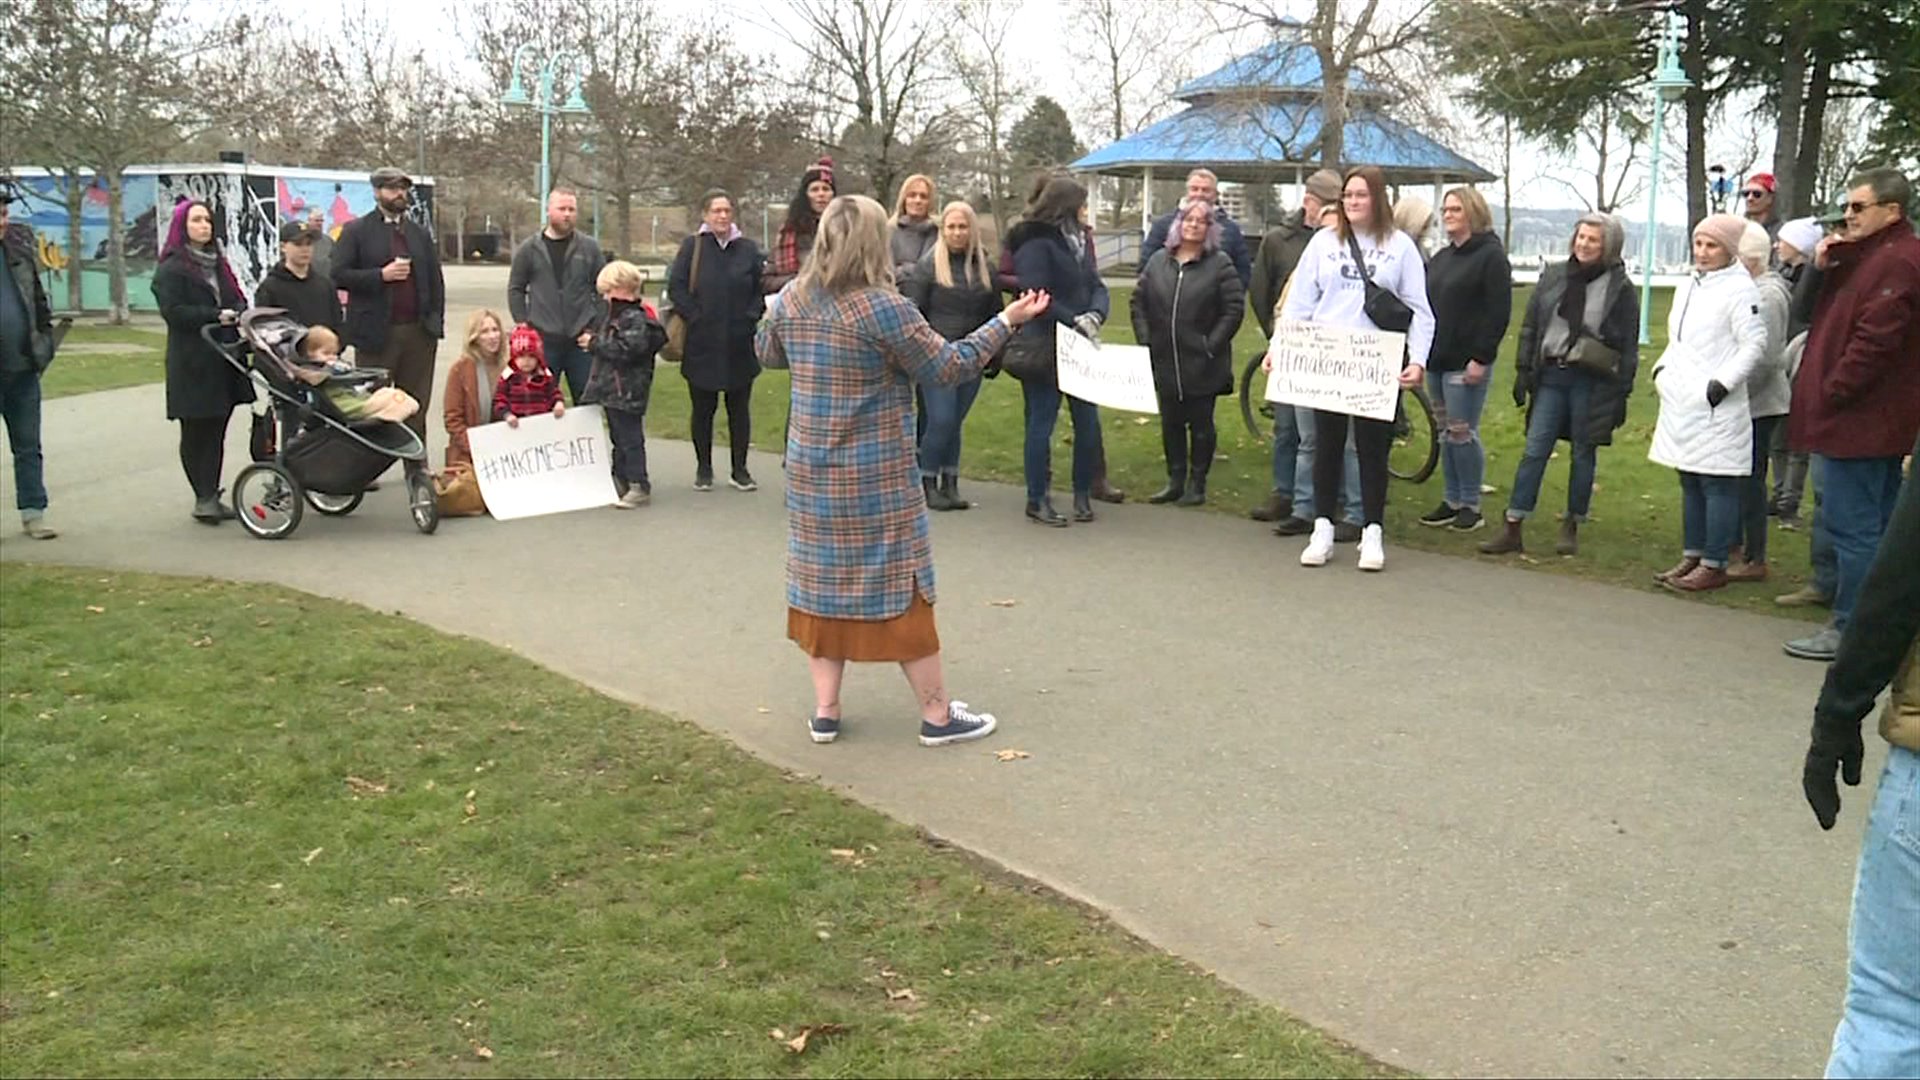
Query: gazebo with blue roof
{"points": [[1256, 119]]}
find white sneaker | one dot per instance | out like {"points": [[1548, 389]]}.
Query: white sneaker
{"points": [[1373, 549], [633, 499], [1320, 546]]}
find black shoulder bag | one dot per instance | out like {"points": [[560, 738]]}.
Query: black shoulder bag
{"points": [[1386, 310]]}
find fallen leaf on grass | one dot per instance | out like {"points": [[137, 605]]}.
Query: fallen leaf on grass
{"points": [[470, 810], [483, 1053], [1002, 603], [366, 787], [902, 994], [312, 855], [203, 641], [96, 609], [1140, 421], [1011, 755], [798, 1043]]}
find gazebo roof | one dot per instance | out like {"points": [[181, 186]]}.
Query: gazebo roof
{"points": [[1267, 141], [1281, 69]]}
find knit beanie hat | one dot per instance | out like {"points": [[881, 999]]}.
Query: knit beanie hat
{"points": [[1724, 229], [1324, 185], [821, 170], [525, 341], [1802, 235], [1756, 248]]}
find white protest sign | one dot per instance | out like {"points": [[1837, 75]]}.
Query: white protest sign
{"points": [[1336, 369], [547, 465], [1117, 376]]}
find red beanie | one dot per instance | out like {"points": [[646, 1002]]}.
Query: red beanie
{"points": [[525, 341]]}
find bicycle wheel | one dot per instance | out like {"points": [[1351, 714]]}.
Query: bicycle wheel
{"points": [[1254, 408], [1416, 438]]}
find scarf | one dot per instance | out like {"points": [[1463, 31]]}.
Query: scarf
{"points": [[206, 260], [1076, 240], [1573, 304]]}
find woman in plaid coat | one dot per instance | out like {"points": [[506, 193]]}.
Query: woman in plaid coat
{"points": [[859, 565]]}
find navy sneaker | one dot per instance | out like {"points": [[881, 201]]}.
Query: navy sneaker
{"points": [[963, 725], [823, 729]]}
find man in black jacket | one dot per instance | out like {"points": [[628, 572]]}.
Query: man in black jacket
{"points": [[1879, 1032], [1202, 186], [396, 296], [1279, 253], [551, 288], [26, 348], [308, 298]]}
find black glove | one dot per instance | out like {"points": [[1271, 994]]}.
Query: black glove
{"points": [[1830, 750], [1715, 394], [1519, 394]]}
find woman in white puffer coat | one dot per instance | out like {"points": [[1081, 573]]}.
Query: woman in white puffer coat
{"points": [[1715, 338]]}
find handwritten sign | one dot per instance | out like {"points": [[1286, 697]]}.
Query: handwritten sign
{"points": [[547, 465], [1336, 369], [1117, 376]]}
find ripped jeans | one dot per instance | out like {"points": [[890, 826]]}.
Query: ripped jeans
{"points": [[1456, 412]]}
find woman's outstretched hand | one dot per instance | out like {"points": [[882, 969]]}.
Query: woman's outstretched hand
{"points": [[1028, 305]]}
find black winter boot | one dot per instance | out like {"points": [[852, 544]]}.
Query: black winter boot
{"points": [[1082, 506], [936, 499], [950, 487], [1176, 488]]}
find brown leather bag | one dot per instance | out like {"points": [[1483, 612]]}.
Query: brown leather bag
{"points": [[675, 348], [457, 491]]}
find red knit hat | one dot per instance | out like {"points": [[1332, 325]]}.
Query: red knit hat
{"points": [[821, 170], [525, 341]]}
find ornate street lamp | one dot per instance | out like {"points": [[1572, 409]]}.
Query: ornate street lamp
{"points": [[575, 105], [1670, 84]]}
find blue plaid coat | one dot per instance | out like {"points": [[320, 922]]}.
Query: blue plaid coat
{"points": [[857, 544]]}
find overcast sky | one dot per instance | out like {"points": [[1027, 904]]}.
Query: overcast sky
{"points": [[1042, 58]]}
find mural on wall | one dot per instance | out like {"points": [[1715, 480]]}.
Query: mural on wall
{"points": [[247, 213]]}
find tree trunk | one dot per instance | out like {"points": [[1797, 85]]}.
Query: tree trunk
{"points": [[76, 205], [623, 209], [1813, 128], [1790, 196], [1602, 144], [1333, 114], [1506, 181], [116, 247], [1693, 58]]}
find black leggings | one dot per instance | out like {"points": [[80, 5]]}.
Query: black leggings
{"points": [[739, 425], [1372, 441], [1188, 437], [203, 445]]}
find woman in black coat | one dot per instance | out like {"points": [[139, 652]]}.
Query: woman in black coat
{"points": [[1186, 308], [194, 287], [953, 287], [721, 300]]}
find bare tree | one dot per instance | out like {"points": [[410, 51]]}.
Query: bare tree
{"points": [[877, 64], [993, 90]]}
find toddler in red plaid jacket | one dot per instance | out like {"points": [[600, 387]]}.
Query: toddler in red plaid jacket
{"points": [[527, 386]]}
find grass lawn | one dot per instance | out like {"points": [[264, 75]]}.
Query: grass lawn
{"points": [[1635, 526], [100, 368], [251, 831]]}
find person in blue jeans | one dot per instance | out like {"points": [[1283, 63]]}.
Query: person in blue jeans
{"points": [[26, 348], [1305, 444], [1587, 297], [1470, 286], [953, 287], [1856, 400], [1879, 1030], [1049, 255]]}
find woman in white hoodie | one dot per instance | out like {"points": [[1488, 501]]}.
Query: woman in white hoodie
{"points": [[1327, 288], [1714, 340]]}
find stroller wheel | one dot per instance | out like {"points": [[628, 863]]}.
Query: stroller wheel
{"points": [[422, 503], [268, 501], [335, 505]]}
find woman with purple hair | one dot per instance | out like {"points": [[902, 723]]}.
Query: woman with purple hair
{"points": [[194, 286], [1186, 307]]}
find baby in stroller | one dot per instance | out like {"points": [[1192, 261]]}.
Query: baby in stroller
{"points": [[358, 395]]}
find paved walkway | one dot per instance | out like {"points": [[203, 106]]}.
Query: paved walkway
{"points": [[1473, 819]]}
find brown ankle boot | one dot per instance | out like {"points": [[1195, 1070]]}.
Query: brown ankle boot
{"points": [[1685, 566], [1507, 542], [1569, 543]]}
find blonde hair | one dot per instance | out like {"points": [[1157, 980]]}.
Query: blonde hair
{"points": [[850, 248], [900, 200], [471, 342], [319, 339], [1479, 214], [619, 274], [1413, 216], [975, 257]]}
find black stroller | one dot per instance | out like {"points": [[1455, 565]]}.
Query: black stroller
{"points": [[311, 454]]}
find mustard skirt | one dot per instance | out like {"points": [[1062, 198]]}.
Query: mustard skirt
{"points": [[909, 635]]}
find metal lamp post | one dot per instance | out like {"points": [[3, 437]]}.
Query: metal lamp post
{"points": [[575, 105], [1670, 83]]}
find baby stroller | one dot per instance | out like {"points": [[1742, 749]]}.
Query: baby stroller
{"points": [[318, 457]]}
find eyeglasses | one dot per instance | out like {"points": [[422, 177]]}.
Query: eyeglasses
{"points": [[1863, 207], [1754, 193]]}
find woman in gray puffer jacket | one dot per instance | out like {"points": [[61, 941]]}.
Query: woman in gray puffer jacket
{"points": [[1769, 393], [914, 229]]}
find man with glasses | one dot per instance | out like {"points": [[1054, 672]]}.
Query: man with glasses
{"points": [[396, 296], [1857, 395]]}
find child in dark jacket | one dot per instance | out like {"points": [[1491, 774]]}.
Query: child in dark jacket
{"points": [[623, 346], [527, 386]]}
